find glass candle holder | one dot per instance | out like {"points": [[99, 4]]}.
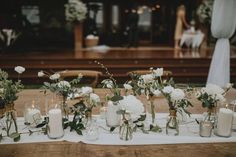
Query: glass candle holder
{"points": [[55, 124], [32, 114], [205, 128]]}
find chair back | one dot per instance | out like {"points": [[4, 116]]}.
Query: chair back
{"points": [[85, 73]]}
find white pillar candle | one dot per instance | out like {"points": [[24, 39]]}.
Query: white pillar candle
{"points": [[234, 122], [112, 118], [33, 116], [224, 123], [55, 123]]}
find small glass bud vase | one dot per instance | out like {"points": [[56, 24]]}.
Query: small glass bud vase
{"points": [[32, 115], [10, 120], [172, 125], [64, 106], [151, 107], [126, 128], [223, 124], [92, 131], [55, 125]]}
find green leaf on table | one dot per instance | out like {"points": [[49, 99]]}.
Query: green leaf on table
{"points": [[116, 98], [30, 132], [142, 118], [41, 124], [155, 128], [15, 136], [1, 137], [112, 129], [79, 132]]}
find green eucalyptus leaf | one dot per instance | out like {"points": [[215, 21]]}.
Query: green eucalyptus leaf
{"points": [[41, 124], [155, 128], [116, 98], [15, 136], [142, 117], [112, 129], [30, 132], [79, 132]]}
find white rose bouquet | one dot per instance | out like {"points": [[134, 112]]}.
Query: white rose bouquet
{"points": [[211, 95], [204, 11], [176, 99], [75, 10]]}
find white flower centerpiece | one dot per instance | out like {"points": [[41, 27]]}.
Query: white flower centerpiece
{"points": [[75, 11], [210, 96], [204, 11], [149, 85], [177, 102], [131, 110], [60, 87], [8, 94]]}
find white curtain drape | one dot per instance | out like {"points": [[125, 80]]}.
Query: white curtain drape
{"points": [[223, 25]]}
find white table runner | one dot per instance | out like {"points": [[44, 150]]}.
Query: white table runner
{"points": [[188, 134]]}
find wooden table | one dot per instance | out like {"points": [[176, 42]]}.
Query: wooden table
{"points": [[63, 149]]}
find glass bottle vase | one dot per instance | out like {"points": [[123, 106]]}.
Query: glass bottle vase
{"points": [[126, 130], [172, 125]]}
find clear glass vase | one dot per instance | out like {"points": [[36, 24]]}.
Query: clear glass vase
{"points": [[126, 130], [172, 125], [64, 107], [151, 108], [10, 122]]}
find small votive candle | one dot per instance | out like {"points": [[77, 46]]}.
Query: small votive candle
{"points": [[33, 115], [224, 122], [55, 126], [205, 128]]}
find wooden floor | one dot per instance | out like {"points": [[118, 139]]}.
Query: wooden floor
{"points": [[187, 66]]}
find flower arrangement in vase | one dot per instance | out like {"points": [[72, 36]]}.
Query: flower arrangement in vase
{"points": [[132, 111], [210, 96], [75, 12], [61, 88], [177, 102], [8, 94], [149, 85]]}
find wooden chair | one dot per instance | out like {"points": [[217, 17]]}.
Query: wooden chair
{"points": [[166, 73], [85, 73]]}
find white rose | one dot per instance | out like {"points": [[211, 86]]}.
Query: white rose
{"points": [[229, 85], [127, 86], [55, 76], [41, 74], [156, 92], [1, 90], [177, 94], [63, 84], [147, 78], [108, 83], [168, 89], [19, 69], [213, 89], [220, 98], [158, 72], [94, 98], [86, 90], [132, 105]]}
